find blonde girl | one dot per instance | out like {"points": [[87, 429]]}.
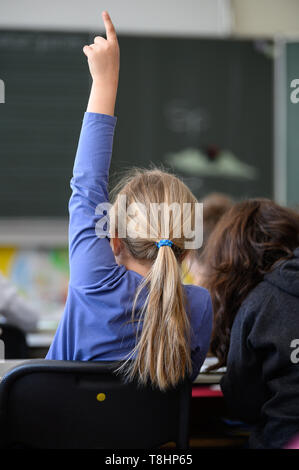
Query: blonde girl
{"points": [[126, 300]]}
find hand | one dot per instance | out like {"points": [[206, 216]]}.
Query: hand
{"points": [[103, 61], [103, 55]]}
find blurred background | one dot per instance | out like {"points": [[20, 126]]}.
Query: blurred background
{"points": [[204, 90]]}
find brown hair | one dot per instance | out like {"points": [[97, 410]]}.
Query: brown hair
{"points": [[249, 240], [214, 206], [162, 353]]}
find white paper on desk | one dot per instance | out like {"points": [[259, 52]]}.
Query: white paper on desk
{"points": [[209, 361]]}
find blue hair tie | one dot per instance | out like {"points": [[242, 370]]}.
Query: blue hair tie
{"points": [[164, 243]]}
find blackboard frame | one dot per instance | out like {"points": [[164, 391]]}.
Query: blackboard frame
{"points": [[281, 99]]}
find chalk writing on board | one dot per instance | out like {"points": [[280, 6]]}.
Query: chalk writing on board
{"points": [[40, 42], [224, 164], [181, 117]]}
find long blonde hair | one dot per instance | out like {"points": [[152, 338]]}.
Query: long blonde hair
{"points": [[162, 353]]}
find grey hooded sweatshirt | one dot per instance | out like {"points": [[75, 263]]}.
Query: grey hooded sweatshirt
{"points": [[261, 385]]}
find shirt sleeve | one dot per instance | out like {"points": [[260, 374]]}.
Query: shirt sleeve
{"points": [[91, 257]]}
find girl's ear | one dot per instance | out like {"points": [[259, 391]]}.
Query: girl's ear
{"points": [[116, 245]]}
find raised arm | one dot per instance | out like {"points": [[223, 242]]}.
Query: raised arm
{"points": [[91, 257], [103, 61]]}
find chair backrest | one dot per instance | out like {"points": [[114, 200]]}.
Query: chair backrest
{"points": [[85, 405], [15, 345]]}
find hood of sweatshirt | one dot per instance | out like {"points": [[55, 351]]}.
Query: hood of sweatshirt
{"points": [[286, 275]]}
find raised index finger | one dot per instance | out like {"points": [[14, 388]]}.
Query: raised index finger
{"points": [[110, 30]]}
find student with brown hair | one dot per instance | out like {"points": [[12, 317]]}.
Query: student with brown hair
{"points": [[253, 276], [214, 206]]}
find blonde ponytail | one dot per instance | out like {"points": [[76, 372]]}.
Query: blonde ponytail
{"points": [[162, 353]]}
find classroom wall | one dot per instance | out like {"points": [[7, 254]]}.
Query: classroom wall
{"points": [[188, 17], [265, 17], [27, 251]]}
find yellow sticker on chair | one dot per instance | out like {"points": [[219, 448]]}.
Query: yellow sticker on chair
{"points": [[101, 396]]}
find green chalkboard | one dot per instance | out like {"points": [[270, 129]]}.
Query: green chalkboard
{"points": [[292, 125], [46, 87], [202, 107]]}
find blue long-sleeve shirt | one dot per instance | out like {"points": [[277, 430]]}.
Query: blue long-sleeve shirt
{"points": [[96, 322]]}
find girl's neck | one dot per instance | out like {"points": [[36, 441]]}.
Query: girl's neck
{"points": [[140, 268]]}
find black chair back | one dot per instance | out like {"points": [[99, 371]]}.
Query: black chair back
{"points": [[85, 405], [15, 345]]}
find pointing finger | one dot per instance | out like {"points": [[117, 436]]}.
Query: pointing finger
{"points": [[110, 31]]}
